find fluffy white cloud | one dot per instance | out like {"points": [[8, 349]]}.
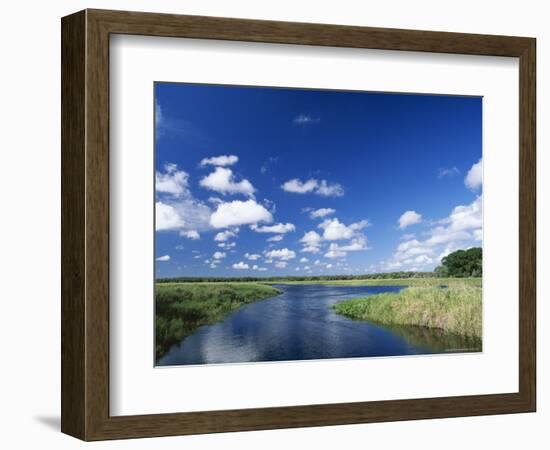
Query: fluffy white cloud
{"points": [[176, 209], [321, 212], [238, 212], [339, 251], [223, 236], [167, 217], [164, 258], [474, 177], [304, 260], [223, 181], [240, 266], [283, 254], [223, 160], [311, 238], [334, 230], [218, 255], [462, 228], [279, 228], [327, 189], [281, 264], [190, 234], [252, 256], [329, 266], [409, 218], [299, 187], [173, 181], [227, 245], [322, 187], [276, 238]]}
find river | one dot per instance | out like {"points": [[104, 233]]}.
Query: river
{"points": [[300, 324]]}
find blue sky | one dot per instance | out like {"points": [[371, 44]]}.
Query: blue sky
{"points": [[272, 181]]}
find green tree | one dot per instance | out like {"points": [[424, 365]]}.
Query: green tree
{"points": [[462, 263]]}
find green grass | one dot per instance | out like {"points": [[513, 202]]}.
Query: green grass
{"points": [[456, 309], [391, 282], [183, 307]]}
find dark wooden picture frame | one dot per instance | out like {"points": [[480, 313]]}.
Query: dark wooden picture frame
{"points": [[85, 224]]}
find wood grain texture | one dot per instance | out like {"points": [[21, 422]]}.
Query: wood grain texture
{"points": [[73, 226], [85, 224]]}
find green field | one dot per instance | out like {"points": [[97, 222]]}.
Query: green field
{"points": [[455, 309], [183, 307], [389, 282]]}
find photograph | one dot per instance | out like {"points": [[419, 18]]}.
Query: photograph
{"points": [[300, 224]]}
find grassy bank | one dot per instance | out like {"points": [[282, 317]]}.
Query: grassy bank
{"points": [[183, 307], [456, 309], [392, 282]]}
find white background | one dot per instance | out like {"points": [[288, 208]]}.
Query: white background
{"points": [[136, 387], [30, 238]]}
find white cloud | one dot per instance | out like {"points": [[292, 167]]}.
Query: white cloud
{"points": [[335, 230], [462, 228], [339, 251], [276, 238], [238, 212], [327, 189], [305, 119], [321, 212], [240, 266], [335, 253], [311, 239], [167, 217], [218, 255], [223, 160], [252, 256], [298, 187], [176, 208], [322, 187], [227, 245], [173, 181], [164, 258], [409, 218], [214, 200], [279, 228], [281, 264], [284, 254], [329, 266], [223, 181], [304, 260], [474, 177], [261, 269], [310, 249], [191, 234], [223, 236]]}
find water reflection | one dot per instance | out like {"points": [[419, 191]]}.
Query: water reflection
{"points": [[300, 324]]}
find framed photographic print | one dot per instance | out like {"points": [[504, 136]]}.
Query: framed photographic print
{"points": [[323, 208]]}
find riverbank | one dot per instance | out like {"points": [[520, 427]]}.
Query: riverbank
{"points": [[181, 308], [455, 309]]}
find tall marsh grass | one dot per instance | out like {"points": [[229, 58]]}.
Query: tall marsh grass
{"points": [[180, 308], [455, 309]]}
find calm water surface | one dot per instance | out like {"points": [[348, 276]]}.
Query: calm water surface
{"points": [[300, 324]]}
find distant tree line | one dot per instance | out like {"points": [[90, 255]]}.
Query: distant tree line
{"points": [[459, 264]]}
